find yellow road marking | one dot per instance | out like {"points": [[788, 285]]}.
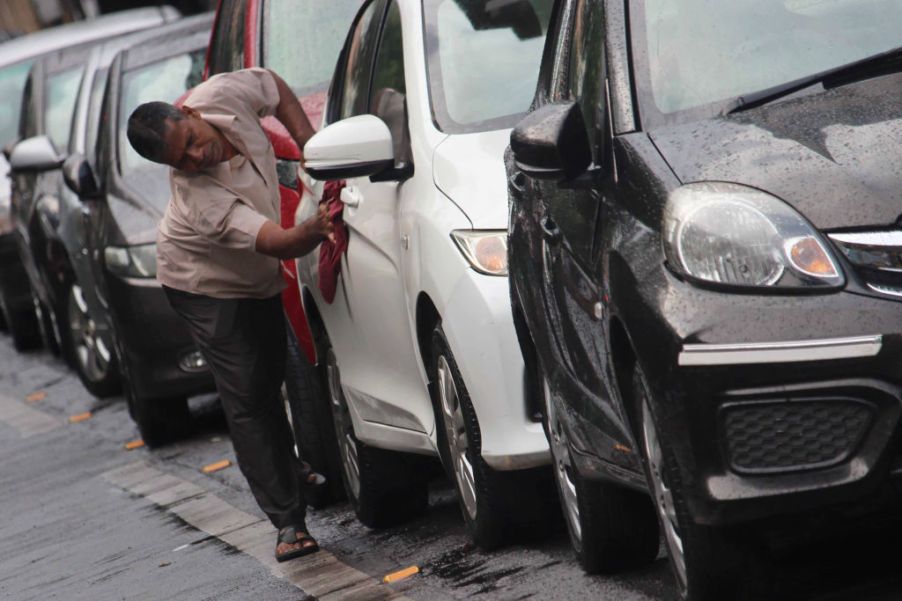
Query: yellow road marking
{"points": [[134, 444], [34, 397], [74, 419], [215, 467], [401, 574]]}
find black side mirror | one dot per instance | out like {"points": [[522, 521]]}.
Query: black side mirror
{"points": [[79, 176], [552, 143]]}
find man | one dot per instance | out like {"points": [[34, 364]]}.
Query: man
{"points": [[218, 251]]}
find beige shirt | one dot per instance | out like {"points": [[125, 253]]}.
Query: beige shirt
{"points": [[207, 237]]}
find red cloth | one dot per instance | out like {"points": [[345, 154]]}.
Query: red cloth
{"points": [[330, 252]]}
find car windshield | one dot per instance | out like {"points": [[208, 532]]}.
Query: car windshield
{"points": [[483, 60], [696, 53], [62, 92], [165, 80], [12, 83], [302, 40]]}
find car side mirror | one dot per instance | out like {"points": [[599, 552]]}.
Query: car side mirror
{"points": [[35, 154], [354, 147], [79, 176], [551, 143], [8, 149]]}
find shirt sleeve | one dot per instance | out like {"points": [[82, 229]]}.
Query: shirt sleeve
{"points": [[235, 227]]}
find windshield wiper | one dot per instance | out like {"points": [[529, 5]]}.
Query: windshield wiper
{"points": [[879, 64]]}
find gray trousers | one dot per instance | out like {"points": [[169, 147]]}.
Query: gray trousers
{"points": [[243, 342]]}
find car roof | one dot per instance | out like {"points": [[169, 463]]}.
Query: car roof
{"points": [[167, 40], [71, 34]]}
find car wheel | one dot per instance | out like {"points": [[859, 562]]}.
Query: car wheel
{"points": [[707, 563], [385, 488], [611, 528], [21, 323], [94, 362], [492, 502], [311, 420], [160, 421]]}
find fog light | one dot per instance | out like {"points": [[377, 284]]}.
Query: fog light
{"points": [[193, 362]]}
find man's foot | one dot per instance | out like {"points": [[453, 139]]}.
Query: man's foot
{"points": [[294, 541]]}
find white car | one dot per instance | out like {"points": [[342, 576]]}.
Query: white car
{"points": [[418, 347]]}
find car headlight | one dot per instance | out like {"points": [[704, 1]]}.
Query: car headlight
{"points": [[132, 261], [731, 235], [486, 250]]}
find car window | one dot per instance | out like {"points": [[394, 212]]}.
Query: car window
{"points": [[304, 55], [359, 62], [483, 58], [12, 84], [163, 80], [389, 89], [227, 49], [696, 53], [61, 94], [586, 70]]}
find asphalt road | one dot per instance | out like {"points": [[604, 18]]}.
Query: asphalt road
{"points": [[85, 518]]}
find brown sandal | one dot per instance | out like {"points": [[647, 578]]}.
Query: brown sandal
{"points": [[294, 541]]}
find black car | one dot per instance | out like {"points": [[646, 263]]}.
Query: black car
{"points": [[91, 230], [706, 270]]}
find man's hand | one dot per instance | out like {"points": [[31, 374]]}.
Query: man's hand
{"points": [[297, 241]]}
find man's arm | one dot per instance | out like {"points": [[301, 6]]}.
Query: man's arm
{"points": [[291, 114], [296, 241]]}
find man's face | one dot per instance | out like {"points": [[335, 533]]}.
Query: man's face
{"points": [[192, 144]]}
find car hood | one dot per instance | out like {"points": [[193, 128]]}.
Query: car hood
{"points": [[833, 155], [469, 169]]}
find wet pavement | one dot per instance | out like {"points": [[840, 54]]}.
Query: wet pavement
{"points": [[84, 518]]}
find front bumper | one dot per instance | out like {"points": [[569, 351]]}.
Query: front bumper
{"points": [[153, 339], [773, 405], [480, 330]]}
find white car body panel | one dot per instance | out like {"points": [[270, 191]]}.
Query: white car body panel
{"points": [[401, 249]]}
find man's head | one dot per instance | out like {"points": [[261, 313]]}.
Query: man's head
{"points": [[176, 136]]}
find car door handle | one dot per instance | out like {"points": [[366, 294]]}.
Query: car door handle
{"points": [[550, 231], [351, 197], [517, 181]]}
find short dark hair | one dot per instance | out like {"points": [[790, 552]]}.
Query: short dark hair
{"points": [[147, 129]]}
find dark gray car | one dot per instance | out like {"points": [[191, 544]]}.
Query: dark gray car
{"points": [[90, 250], [16, 59]]}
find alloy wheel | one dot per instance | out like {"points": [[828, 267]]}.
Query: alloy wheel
{"points": [[663, 496], [344, 429], [92, 354], [456, 435], [563, 464]]}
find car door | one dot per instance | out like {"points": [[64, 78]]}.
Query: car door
{"points": [[226, 51], [567, 218], [376, 350]]}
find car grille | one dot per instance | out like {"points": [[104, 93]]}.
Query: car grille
{"points": [[781, 436], [876, 256]]}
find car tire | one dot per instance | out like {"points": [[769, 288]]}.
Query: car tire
{"points": [[311, 424], [21, 323], [709, 563], [385, 488], [94, 363], [494, 503], [612, 528], [160, 421]]}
